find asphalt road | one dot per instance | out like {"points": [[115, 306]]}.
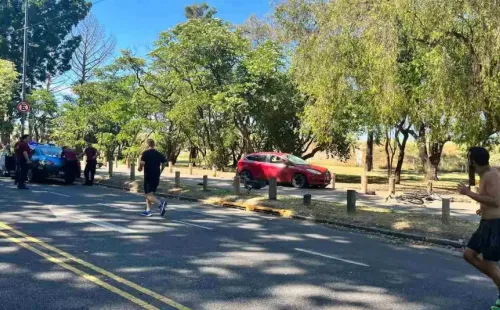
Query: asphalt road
{"points": [[463, 210], [72, 247]]}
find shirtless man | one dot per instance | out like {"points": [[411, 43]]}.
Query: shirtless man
{"points": [[486, 240]]}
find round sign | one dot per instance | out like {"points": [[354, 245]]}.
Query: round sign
{"points": [[23, 107]]}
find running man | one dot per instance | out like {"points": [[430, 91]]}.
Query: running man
{"points": [[151, 160], [486, 240]]}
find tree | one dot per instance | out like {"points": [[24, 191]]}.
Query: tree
{"points": [[43, 112], [95, 48], [50, 46], [8, 82], [199, 11], [343, 60]]}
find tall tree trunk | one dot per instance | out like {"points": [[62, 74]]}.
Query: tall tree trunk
{"points": [[401, 155], [193, 155], [369, 152], [436, 149], [422, 147], [388, 155]]}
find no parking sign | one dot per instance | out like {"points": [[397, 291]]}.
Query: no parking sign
{"points": [[23, 107]]}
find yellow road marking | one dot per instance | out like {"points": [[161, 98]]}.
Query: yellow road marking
{"points": [[82, 274], [106, 273]]}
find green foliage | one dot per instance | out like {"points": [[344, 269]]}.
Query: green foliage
{"points": [[50, 48], [8, 82], [43, 112]]}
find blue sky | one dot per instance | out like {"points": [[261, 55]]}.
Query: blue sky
{"points": [[137, 23]]}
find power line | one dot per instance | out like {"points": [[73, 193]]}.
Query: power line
{"points": [[51, 19]]}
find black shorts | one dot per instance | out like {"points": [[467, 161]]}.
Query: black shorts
{"points": [[151, 185], [486, 240]]}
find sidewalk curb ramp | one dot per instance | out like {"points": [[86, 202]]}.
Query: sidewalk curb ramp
{"points": [[133, 187]]}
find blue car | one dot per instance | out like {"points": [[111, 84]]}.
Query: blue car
{"points": [[47, 163]]}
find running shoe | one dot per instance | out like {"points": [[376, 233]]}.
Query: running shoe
{"points": [[163, 207], [146, 213]]}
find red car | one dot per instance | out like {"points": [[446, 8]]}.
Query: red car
{"points": [[286, 168]]}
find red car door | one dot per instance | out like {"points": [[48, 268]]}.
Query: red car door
{"points": [[276, 168], [254, 164]]}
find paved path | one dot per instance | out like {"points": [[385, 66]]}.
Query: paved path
{"points": [[93, 251], [466, 211]]}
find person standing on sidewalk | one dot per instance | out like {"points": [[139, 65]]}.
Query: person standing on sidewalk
{"points": [[486, 240], [70, 162], [91, 164], [23, 160], [151, 160]]}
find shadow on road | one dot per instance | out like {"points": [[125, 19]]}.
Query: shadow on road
{"points": [[246, 261]]}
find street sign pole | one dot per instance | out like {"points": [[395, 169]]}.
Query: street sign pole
{"points": [[25, 52]]}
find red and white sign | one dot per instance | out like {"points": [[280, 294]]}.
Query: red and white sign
{"points": [[23, 107]]}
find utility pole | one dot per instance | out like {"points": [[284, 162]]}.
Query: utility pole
{"points": [[25, 52]]}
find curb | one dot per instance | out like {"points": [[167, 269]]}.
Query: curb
{"points": [[289, 214], [414, 237]]}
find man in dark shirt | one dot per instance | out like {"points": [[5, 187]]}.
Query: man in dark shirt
{"points": [[23, 155], [90, 167], [151, 160], [70, 162]]}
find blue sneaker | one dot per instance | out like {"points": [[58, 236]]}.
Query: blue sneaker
{"points": [[146, 213], [163, 207]]}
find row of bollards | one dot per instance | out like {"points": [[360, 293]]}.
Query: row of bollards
{"points": [[307, 198]]}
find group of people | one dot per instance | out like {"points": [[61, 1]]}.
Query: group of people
{"points": [[152, 163], [23, 154]]}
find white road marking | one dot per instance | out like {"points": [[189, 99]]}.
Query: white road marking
{"points": [[332, 257], [68, 214], [190, 224], [53, 193]]}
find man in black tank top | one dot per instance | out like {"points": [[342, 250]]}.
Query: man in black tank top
{"points": [[153, 163]]}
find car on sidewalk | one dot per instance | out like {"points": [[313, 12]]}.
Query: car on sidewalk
{"points": [[7, 163], [47, 163], [285, 168]]}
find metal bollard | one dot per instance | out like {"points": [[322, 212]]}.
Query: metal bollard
{"points": [[351, 201], [392, 185], [273, 189], [132, 171], [445, 211], [190, 168], [236, 185], [307, 199], [334, 179], [177, 179], [205, 183], [214, 171]]}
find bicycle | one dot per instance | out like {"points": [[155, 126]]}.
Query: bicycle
{"points": [[417, 198]]}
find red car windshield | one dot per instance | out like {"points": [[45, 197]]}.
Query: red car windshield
{"points": [[296, 160]]}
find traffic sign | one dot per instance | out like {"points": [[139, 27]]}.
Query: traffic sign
{"points": [[23, 107]]}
